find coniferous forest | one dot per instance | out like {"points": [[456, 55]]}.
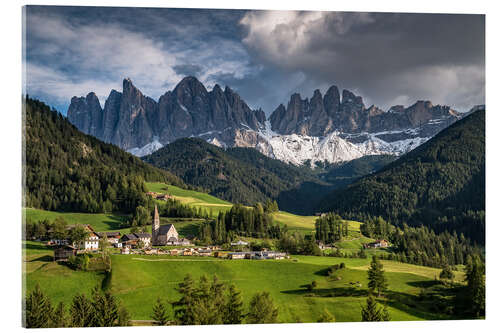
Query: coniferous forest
{"points": [[66, 170], [440, 184]]}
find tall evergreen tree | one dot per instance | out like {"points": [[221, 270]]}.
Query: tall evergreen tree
{"points": [[59, 316], [234, 307], [81, 312], [476, 286], [159, 313], [262, 309], [376, 278], [371, 311], [38, 309]]}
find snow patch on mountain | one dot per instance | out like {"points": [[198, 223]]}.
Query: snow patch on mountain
{"points": [[147, 149]]}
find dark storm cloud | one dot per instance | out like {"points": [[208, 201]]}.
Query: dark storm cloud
{"points": [[264, 55], [187, 69], [386, 57]]}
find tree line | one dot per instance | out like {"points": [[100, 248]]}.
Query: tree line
{"points": [[330, 228], [100, 309], [214, 303]]}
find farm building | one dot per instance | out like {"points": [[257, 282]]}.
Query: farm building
{"points": [[64, 252], [377, 243], [236, 255], [239, 243]]}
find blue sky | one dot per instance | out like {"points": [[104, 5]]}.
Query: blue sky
{"points": [[264, 55]]}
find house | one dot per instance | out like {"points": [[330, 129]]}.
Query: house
{"points": [[189, 252], [239, 243], [64, 252], [175, 252], [205, 252], [112, 236], [164, 197], [323, 246], [237, 255], [220, 254], [377, 243], [90, 244], [129, 240], [163, 234], [92, 241], [133, 239], [125, 250], [145, 238], [118, 245]]}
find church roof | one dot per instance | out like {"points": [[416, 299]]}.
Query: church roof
{"points": [[164, 229]]}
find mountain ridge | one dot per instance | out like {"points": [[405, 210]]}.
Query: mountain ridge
{"points": [[339, 124]]}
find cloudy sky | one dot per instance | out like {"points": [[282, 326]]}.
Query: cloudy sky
{"points": [[264, 55]]}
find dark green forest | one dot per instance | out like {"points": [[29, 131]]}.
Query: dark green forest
{"points": [[66, 170], [240, 175], [440, 184]]}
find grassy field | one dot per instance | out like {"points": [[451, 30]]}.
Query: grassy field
{"points": [[100, 222], [58, 281], [138, 280]]}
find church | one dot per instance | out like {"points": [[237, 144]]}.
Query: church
{"points": [[163, 234]]}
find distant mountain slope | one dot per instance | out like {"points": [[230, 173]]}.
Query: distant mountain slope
{"points": [[440, 184], [67, 170], [240, 175], [357, 168]]}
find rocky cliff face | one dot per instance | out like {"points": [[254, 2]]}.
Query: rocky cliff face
{"points": [[132, 120], [321, 116], [334, 127]]}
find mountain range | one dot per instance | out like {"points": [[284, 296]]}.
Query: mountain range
{"points": [[331, 128]]}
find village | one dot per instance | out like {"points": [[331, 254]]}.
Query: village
{"points": [[164, 240]]}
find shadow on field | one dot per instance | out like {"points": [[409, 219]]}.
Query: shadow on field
{"points": [[329, 292], [424, 284], [117, 221], [30, 246], [46, 258]]}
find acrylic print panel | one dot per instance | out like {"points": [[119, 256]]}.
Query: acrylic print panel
{"points": [[197, 166]]}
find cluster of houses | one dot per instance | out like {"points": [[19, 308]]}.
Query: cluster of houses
{"points": [[145, 243], [257, 255]]}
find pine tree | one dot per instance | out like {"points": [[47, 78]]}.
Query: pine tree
{"points": [[376, 277], [234, 307], [371, 312], [385, 314], [59, 317], [183, 308], [38, 309], [326, 317], [159, 313], [475, 285], [81, 312], [123, 316], [262, 309], [105, 308]]}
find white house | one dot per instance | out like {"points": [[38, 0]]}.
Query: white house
{"points": [[239, 243]]}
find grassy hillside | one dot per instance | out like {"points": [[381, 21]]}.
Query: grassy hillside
{"points": [[138, 280], [439, 184]]}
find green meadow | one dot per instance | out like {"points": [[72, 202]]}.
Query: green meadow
{"points": [[138, 280]]}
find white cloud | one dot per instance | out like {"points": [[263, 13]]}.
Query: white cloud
{"points": [[67, 60]]}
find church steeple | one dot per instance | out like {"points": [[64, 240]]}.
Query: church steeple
{"points": [[155, 225]]}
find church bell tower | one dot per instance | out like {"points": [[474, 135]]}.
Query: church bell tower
{"points": [[155, 226]]}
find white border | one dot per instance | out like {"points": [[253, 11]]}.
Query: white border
{"points": [[11, 152]]}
